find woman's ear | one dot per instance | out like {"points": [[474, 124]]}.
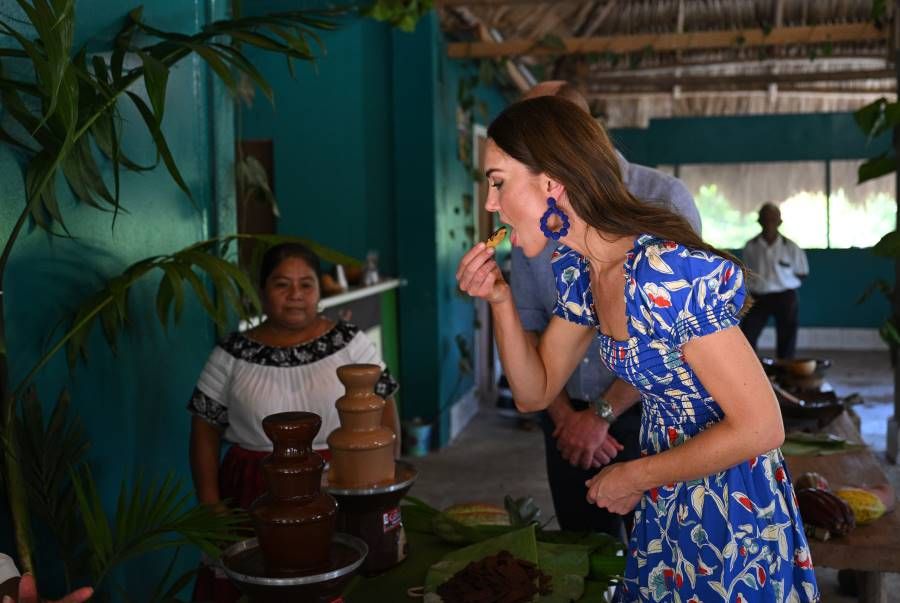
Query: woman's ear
{"points": [[553, 188]]}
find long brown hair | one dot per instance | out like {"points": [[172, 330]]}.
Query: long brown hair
{"points": [[554, 136]]}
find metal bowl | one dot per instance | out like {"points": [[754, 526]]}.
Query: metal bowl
{"points": [[246, 556], [404, 475]]}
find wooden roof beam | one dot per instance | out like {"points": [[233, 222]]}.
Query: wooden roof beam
{"points": [[787, 90], [733, 38], [597, 21], [441, 3], [664, 82], [602, 69]]}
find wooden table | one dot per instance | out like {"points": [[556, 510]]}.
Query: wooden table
{"points": [[872, 549]]}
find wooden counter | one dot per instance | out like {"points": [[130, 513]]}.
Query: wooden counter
{"points": [[872, 549]]}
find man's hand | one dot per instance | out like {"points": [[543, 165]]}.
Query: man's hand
{"points": [[28, 593], [583, 439]]}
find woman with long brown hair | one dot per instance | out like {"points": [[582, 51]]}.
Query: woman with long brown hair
{"points": [[716, 516]]}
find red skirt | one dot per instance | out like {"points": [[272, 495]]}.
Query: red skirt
{"points": [[240, 483]]}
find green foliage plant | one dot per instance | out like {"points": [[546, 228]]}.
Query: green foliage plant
{"points": [[63, 120]]}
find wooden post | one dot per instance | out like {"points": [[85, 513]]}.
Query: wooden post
{"points": [[893, 426]]}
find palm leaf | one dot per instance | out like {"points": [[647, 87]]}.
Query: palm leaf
{"points": [[167, 589], [232, 292], [878, 117], [159, 139], [78, 98], [888, 246], [876, 167], [156, 515], [252, 179], [48, 453], [70, 111]]}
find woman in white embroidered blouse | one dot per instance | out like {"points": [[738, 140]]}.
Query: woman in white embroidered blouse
{"points": [[288, 363]]}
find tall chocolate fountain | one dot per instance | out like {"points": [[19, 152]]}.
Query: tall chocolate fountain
{"points": [[296, 556], [363, 475]]}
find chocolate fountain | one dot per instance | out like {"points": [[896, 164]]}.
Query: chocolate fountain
{"points": [[296, 554], [363, 475]]}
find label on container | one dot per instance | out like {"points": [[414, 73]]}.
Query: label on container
{"points": [[391, 519]]}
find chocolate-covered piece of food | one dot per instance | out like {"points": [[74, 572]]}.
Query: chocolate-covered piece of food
{"points": [[496, 237]]}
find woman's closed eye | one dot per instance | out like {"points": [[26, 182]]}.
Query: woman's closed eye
{"points": [[496, 184]]}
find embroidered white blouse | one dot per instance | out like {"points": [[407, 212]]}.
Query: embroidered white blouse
{"points": [[244, 381]]}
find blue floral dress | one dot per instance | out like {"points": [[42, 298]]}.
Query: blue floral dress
{"points": [[732, 536]]}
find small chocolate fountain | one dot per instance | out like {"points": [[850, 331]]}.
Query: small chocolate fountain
{"points": [[296, 555], [363, 475]]}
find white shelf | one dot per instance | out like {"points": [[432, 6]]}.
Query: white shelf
{"points": [[361, 292], [340, 298]]}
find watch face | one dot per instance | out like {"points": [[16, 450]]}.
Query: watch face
{"points": [[604, 410]]}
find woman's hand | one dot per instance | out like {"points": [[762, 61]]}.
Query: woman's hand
{"points": [[615, 488], [479, 276], [28, 593]]}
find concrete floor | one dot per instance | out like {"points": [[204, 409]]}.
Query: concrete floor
{"points": [[495, 456]]}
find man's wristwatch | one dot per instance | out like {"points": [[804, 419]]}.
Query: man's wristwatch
{"points": [[604, 410]]}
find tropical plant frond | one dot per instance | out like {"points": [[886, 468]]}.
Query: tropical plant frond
{"points": [[888, 246], [150, 515], [876, 167], [878, 117], [402, 14], [167, 589], [72, 114], [879, 286], [875, 119], [252, 179], [48, 452], [223, 289]]}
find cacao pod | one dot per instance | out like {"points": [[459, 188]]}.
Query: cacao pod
{"points": [[478, 514], [886, 494], [866, 506], [811, 479], [822, 509]]}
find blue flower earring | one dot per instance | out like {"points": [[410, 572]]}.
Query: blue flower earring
{"points": [[551, 210]]}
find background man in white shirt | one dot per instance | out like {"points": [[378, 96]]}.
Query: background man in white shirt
{"points": [[777, 268]]}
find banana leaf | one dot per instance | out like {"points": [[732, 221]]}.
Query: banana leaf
{"points": [[581, 563], [607, 560], [567, 564], [813, 444], [521, 544]]}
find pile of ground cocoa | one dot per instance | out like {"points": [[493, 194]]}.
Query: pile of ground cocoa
{"points": [[499, 578]]}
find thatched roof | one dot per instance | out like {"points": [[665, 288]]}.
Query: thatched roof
{"points": [[640, 59]]}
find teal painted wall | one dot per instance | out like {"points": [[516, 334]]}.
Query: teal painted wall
{"points": [[456, 314], [365, 158], [132, 404], [414, 105], [837, 277], [800, 137], [432, 219], [332, 132]]}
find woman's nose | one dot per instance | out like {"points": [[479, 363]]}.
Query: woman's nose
{"points": [[491, 204]]}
